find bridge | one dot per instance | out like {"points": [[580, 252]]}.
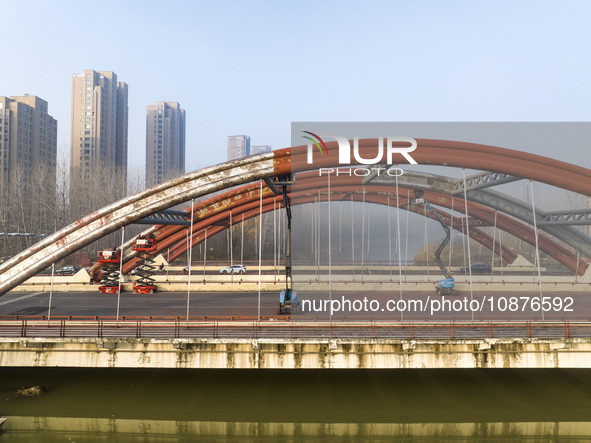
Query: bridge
{"points": [[519, 316]]}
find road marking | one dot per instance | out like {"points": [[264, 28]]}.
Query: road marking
{"points": [[21, 298]]}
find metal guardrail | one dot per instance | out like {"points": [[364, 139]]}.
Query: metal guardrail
{"points": [[283, 329]]}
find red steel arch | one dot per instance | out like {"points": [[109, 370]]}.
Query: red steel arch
{"points": [[280, 162], [507, 224], [217, 210], [455, 154], [198, 236]]}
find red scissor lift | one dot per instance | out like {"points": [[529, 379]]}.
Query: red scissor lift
{"points": [[110, 271], [144, 245]]}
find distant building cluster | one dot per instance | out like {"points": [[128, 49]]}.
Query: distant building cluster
{"points": [[239, 146], [99, 134], [98, 137], [99, 129]]}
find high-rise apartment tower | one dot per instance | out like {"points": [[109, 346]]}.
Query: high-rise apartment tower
{"points": [[165, 142], [28, 142], [99, 123]]}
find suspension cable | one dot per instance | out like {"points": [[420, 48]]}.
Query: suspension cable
{"points": [[260, 245], [453, 234], [501, 248], [191, 259], [120, 269], [492, 268], [399, 243], [533, 207], [329, 250], [231, 248], [205, 254], [389, 239], [352, 239], [363, 235], [51, 293], [340, 228], [468, 236], [318, 239], [274, 239], [426, 240], [407, 225], [368, 227]]}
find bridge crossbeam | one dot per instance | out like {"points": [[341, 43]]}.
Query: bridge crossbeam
{"points": [[167, 217], [481, 181], [561, 218]]}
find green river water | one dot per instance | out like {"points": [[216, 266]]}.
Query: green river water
{"points": [[169, 405]]}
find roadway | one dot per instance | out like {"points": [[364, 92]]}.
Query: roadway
{"points": [[231, 315], [357, 306]]}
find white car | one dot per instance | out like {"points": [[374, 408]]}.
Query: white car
{"points": [[234, 269]]}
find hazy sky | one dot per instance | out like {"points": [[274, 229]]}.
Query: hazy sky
{"points": [[253, 67]]}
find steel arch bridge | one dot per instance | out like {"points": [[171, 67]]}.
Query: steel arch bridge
{"points": [[293, 160], [244, 203]]}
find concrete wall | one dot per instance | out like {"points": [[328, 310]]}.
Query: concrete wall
{"points": [[299, 354]]}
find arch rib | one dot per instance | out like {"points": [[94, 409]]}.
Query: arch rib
{"points": [[237, 172], [350, 185]]}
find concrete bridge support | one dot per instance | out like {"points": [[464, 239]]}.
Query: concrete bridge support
{"points": [[297, 353]]}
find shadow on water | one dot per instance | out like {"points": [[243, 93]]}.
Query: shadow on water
{"points": [[86, 405]]}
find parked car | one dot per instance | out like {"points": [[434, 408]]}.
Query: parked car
{"points": [[477, 268], [67, 270], [234, 269]]}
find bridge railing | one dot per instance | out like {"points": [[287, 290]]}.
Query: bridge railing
{"points": [[201, 328]]}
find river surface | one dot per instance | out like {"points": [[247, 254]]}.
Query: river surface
{"points": [[169, 405]]}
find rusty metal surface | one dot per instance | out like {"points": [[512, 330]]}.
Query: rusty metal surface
{"points": [[249, 204], [480, 212], [466, 155], [284, 161], [198, 236], [350, 186], [126, 211], [495, 200]]}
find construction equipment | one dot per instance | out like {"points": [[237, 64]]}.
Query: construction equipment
{"points": [[288, 298], [444, 286], [110, 281], [144, 245]]}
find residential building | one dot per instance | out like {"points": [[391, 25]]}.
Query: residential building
{"points": [[165, 142], [98, 138], [238, 146], [28, 143]]}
